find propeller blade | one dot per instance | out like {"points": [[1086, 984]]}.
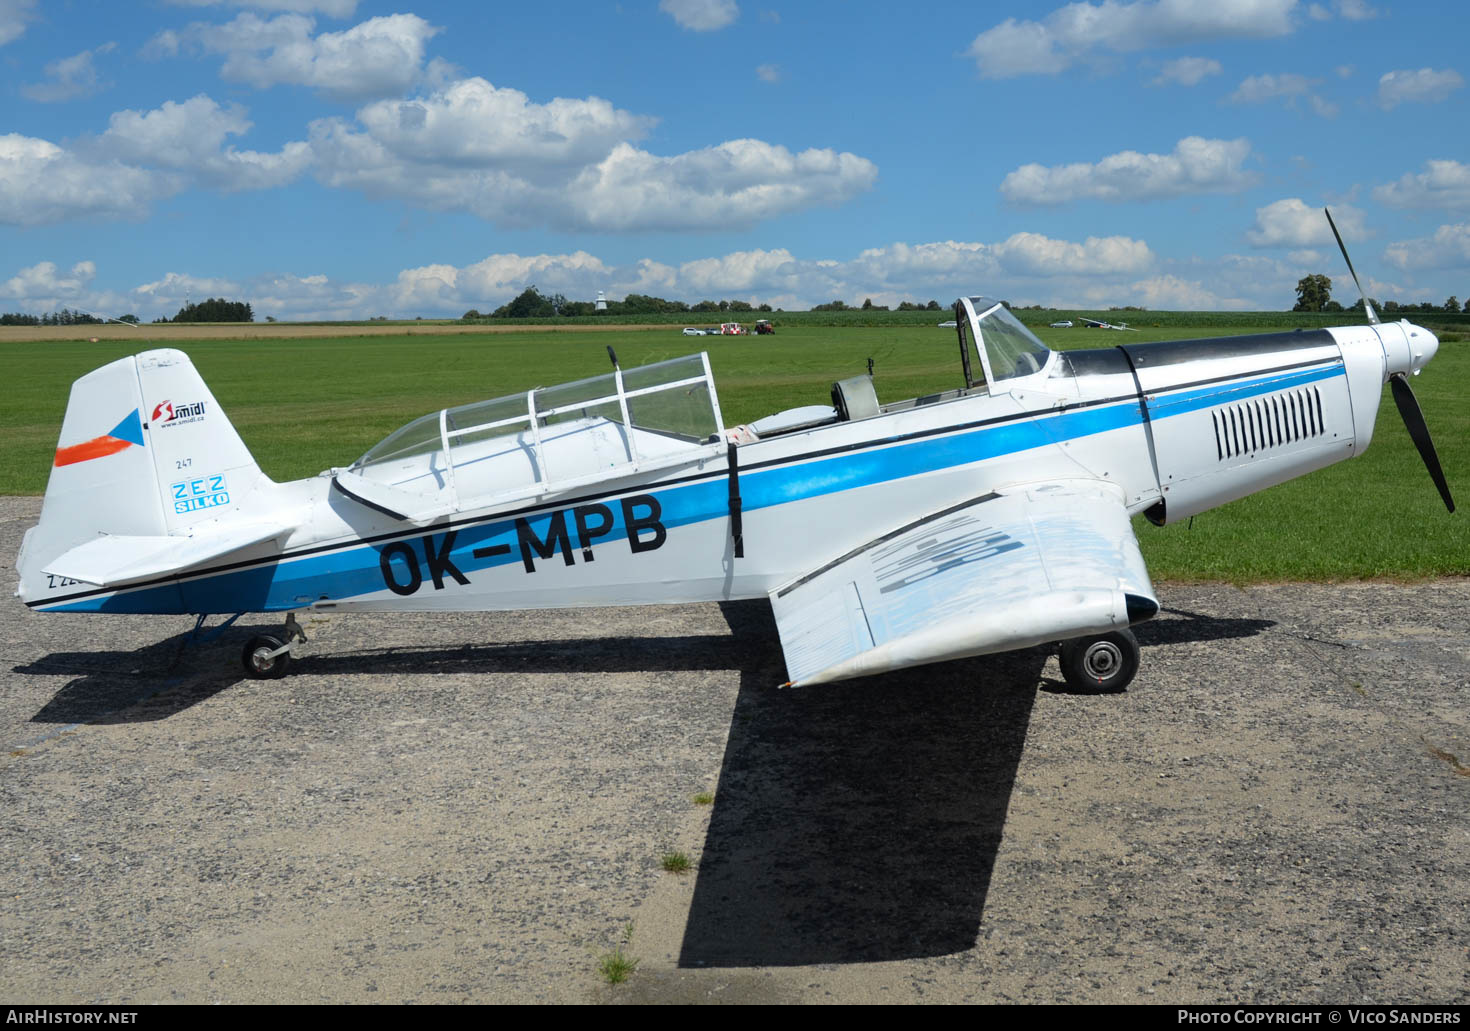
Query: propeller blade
{"points": [[1403, 396], [1367, 304]]}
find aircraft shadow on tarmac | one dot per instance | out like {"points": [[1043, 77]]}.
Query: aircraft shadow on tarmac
{"points": [[859, 822], [855, 822]]}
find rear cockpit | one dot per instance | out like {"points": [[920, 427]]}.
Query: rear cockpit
{"points": [[545, 440]]}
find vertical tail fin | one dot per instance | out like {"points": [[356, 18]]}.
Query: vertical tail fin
{"points": [[145, 452]]}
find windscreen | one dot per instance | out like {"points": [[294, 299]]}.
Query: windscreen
{"points": [[1011, 348]]}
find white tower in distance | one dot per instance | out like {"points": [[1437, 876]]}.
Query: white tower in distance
{"points": [[601, 304]]}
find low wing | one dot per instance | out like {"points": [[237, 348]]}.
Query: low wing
{"points": [[111, 559], [1025, 566]]}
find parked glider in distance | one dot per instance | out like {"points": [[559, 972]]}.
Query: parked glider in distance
{"points": [[1095, 324], [985, 518]]}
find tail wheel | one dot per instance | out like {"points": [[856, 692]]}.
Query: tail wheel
{"points": [[1101, 664], [260, 664]]}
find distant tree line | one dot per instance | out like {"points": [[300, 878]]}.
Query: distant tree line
{"points": [[64, 317], [1314, 293], [531, 303], [868, 305]]}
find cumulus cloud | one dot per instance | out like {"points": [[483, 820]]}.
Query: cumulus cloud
{"points": [[1291, 223], [473, 123], [1196, 165], [44, 282], [1425, 86], [701, 15], [1071, 32], [142, 157], [189, 137], [69, 78], [15, 15], [1442, 185], [1187, 71], [1448, 248], [40, 183], [568, 164], [376, 58], [1258, 88]]}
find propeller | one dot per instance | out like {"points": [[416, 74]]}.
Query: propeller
{"points": [[1403, 394], [1367, 304]]}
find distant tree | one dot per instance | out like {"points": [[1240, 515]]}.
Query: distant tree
{"points": [[741, 306], [932, 306], [1312, 292], [1387, 306], [764, 307], [908, 306], [838, 305], [15, 318], [473, 313], [1336, 306], [705, 306], [128, 318], [216, 309], [1453, 304], [528, 304], [1467, 306]]}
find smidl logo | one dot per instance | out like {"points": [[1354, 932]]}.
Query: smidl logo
{"points": [[166, 411]]}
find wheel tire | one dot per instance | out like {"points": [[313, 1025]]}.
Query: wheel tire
{"points": [[1100, 664], [257, 665]]}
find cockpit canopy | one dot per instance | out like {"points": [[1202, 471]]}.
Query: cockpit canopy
{"points": [[546, 439], [1006, 348]]}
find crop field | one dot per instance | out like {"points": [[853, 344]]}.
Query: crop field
{"points": [[307, 403]]}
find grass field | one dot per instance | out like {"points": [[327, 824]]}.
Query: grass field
{"points": [[306, 404]]}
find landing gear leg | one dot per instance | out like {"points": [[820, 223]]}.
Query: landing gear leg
{"points": [[267, 657], [1103, 663]]}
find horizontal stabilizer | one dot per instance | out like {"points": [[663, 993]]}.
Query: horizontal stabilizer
{"points": [[112, 560], [1046, 562]]}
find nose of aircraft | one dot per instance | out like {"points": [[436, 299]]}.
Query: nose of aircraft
{"points": [[1407, 348], [1423, 345]]}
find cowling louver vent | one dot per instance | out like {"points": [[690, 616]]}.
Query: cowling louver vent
{"points": [[1268, 422]]}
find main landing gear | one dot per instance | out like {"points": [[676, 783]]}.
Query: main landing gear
{"points": [[266, 657], [1101, 664]]}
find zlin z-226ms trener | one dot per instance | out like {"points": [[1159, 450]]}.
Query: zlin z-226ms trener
{"points": [[989, 517]]}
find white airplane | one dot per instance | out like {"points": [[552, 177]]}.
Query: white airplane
{"points": [[989, 517]]}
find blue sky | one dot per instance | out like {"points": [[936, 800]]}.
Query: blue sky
{"points": [[353, 158]]}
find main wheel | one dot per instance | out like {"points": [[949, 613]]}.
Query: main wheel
{"points": [[1102, 663], [259, 663]]}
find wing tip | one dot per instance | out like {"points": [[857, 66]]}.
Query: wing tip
{"points": [[1140, 608]]}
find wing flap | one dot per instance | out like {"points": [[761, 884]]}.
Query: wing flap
{"points": [[113, 559], [1007, 570]]}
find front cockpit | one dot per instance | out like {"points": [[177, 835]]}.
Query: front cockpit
{"points": [[990, 335]]}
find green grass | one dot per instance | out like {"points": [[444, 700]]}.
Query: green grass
{"points": [[704, 798], [675, 862], [617, 966], [303, 405]]}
